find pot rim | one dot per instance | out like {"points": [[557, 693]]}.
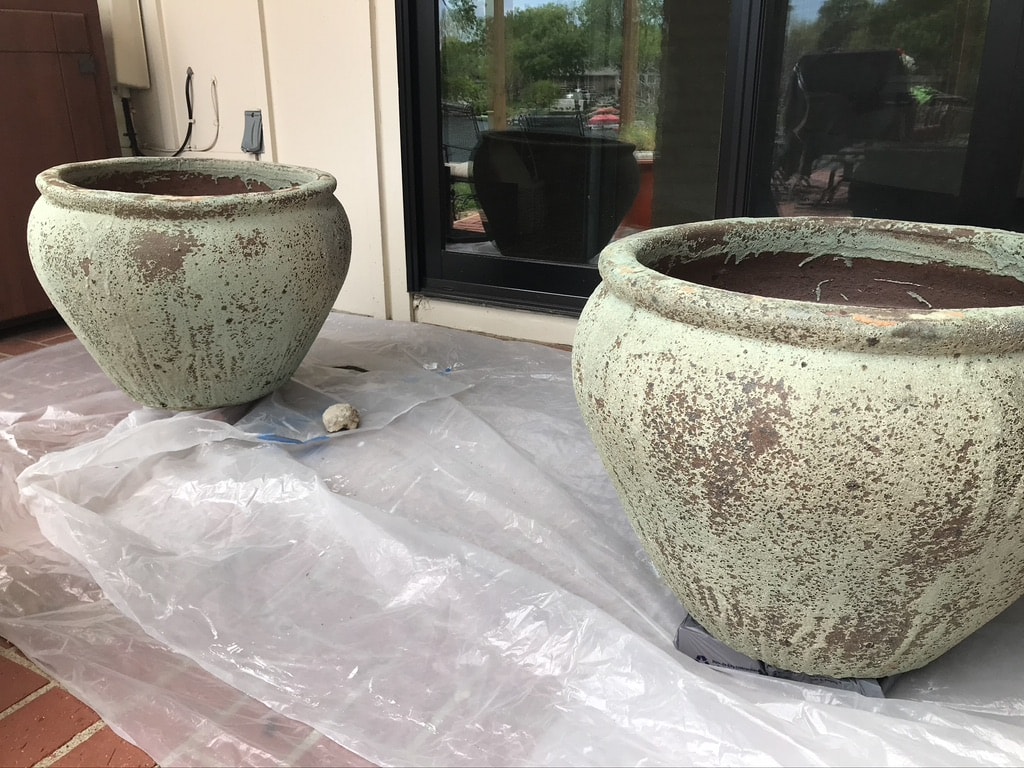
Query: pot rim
{"points": [[59, 184], [625, 272]]}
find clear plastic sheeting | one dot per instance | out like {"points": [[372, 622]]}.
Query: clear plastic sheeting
{"points": [[454, 583]]}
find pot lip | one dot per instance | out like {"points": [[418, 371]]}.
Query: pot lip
{"points": [[59, 184], [624, 272]]}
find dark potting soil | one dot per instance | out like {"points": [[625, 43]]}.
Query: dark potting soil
{"points": [[857, 282], [179, 183]]}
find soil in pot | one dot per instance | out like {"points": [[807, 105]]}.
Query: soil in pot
{"points": [[855, 281], [180, 183]]}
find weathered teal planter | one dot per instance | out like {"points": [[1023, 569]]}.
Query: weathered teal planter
{"points": [[830, 481], [194, 283]]}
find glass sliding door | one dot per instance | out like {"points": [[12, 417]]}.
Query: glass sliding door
{"points": [[545, 129], [537, 131], [548, 113], [891, 109]]}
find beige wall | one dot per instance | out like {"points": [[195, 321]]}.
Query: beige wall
{"points": [[324, 74]]}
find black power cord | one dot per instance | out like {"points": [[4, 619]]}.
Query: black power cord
{"points": [[133, 139], [188, 107], [129, 125]]}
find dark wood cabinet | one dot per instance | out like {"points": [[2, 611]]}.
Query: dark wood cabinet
{"points": [[57, 107]]}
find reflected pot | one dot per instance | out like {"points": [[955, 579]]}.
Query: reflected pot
{"points": [[193, 283], [641, 213], [830, 487], [554, 197]]}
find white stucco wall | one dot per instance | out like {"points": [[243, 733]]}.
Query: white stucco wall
{"points": [[324, 74]]}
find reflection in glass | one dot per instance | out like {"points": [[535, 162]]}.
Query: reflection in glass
{"points": [[876, 107], [548, 124]]}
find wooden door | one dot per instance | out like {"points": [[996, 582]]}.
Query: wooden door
{"points": [[57, 108]]}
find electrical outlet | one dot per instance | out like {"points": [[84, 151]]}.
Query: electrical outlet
{"points": [[252, 137]]}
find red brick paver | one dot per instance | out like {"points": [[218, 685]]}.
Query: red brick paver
{"points": [[105, 748], [16, 682], [42, 726], [33, 337], [18, 345]]}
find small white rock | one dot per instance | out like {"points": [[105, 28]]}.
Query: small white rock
{"points": [[341, 416]]}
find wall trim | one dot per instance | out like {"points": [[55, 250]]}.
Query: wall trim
{"points": [[506, 323]]}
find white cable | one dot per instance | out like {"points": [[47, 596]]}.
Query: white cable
{"points": [[216, 125], [216, 117]]}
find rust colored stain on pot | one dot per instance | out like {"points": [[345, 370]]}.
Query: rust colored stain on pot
{"points": [[876, 322], [719, 443], [160, 256]]}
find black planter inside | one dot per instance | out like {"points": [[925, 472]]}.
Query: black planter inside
{"points": [[553, 197]]}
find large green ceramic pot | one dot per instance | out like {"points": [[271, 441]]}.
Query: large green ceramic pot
{"points": [[194, 283], [818, 433]]}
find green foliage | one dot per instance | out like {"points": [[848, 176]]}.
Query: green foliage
{"points": [[923, 28], [641, 134], [549, 44], [465, 77], [464, 198], [539, 94], [544, 43], [601, 21], [459, 20], [944, 37], [838, 20]]}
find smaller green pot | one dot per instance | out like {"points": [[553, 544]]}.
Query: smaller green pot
{"points": [[193, 283]]}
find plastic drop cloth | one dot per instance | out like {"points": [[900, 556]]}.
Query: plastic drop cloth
{"points": [[454, 583]]}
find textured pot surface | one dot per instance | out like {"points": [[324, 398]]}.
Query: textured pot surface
{"points": [[194, 283], [834, 489]]}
